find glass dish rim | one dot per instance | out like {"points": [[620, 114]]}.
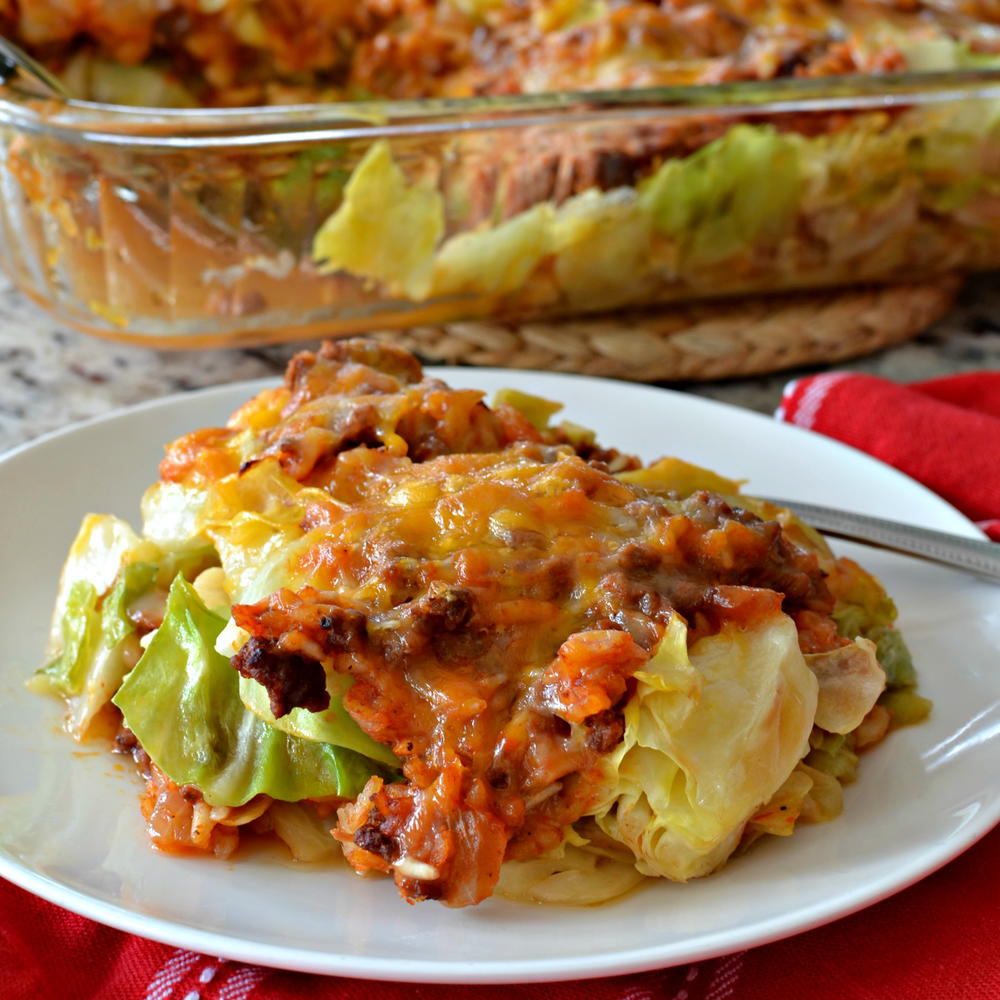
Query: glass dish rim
{"points": [[88, 122]]}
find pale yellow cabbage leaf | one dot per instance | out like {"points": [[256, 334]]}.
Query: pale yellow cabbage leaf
{"points": [[683, 478], [850, 681], [494, 261], [710, 736], [601, 246], [385, 228], [254, 522]]}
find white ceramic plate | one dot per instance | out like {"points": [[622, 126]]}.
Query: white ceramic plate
{"points": [[70, 828]]}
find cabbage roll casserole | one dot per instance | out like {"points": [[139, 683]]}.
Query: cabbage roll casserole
{"points": [[467, 646], [448, 160], [229, 53]]}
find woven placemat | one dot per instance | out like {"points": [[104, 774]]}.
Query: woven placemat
{"points": [[697, 341]]}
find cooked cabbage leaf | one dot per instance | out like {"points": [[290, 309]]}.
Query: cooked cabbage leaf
{"points": [[255, 523], [865, 609], [93, 77], [740, 190], [710, 735], [833, 754], [536, 409], [91, 631], [95, 557], [333, 725], [495, 260], [92, 662], [171, 515], [850, 682], [601, 242], [674, 475], [385, 228], [182, 702]]}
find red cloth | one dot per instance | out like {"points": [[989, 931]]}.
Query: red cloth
{"points": [[944, 432], [926, 942], [936, 939]]}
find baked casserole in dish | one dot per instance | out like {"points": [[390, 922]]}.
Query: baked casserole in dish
{"points": [[240, 171]]}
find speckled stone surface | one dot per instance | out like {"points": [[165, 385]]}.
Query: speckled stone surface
{"points": [[52, 376]]}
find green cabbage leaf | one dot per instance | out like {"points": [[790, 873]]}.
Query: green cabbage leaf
{"points": [[182, 701], [333, 725], [93, 639], [740, 190], [865, 609], [106, 569]]}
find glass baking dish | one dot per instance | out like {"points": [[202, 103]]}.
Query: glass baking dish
{"points": [[219, 227]]}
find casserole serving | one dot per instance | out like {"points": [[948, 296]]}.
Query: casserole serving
{"points": [[783, 147], [477, 648]]}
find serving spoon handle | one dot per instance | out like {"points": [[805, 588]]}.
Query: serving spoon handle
{"points": [[14, 57]]}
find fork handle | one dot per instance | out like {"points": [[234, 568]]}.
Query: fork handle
{"points": [[970, 554]]}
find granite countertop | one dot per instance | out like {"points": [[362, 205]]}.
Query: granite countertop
{"points": [[51, 375]]}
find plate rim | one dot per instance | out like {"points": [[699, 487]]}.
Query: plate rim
{"points": [[432, 972]]}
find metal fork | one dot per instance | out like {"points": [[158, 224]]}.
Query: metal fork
{"points": [[973, 555]]}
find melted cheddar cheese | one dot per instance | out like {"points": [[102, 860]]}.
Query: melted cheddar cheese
{"points": [[489, 589]]}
